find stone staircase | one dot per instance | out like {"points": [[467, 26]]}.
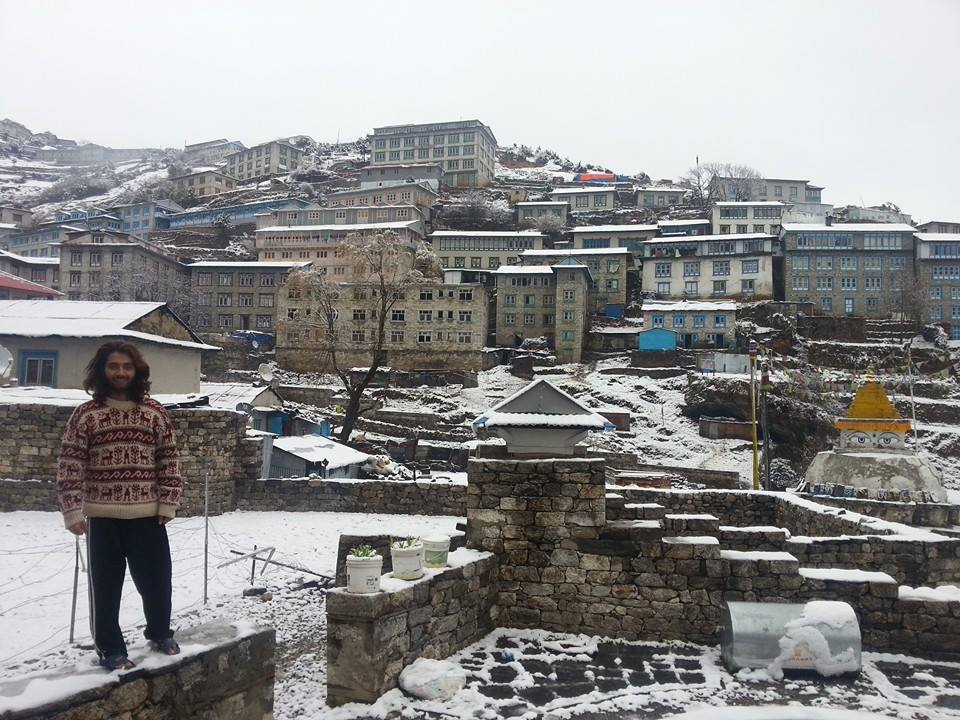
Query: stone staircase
{"points": [[895, 331]]}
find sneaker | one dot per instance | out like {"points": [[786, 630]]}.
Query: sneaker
{"points": [[120, 661], [167, 646]]}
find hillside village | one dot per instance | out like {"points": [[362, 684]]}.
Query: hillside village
{"points": [[397, 331]]}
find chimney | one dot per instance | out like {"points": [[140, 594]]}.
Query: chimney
{"points": [[829, 220]]}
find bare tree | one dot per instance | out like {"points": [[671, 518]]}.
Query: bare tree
{"points": [[907, 296], [385, 268], [713, 181]]}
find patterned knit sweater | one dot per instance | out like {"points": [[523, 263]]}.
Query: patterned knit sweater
{"points": [[118, 460]]}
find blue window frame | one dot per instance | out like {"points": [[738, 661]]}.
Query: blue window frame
{"points": [[38, 367], [658, 321], [678, 321]]}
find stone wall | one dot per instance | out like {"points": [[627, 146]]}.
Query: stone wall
{"points": [[371, 496], [371, 638], [917, 514], [212, 443], [234, 354], [230, 677]]}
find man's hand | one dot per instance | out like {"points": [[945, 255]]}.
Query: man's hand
{"points": [[163, 519], [79, 528]]}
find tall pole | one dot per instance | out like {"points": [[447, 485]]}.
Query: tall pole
{"points": [[753, 411], [913, 404], [206, 529], [764, 387], [76, 580]]}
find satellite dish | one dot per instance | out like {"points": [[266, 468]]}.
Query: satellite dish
{"points": [[6, 364], [244, 407], [266, 371], [255, 344]]}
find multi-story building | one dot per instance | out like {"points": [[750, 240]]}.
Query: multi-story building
{"points": [[265, 160], [12, 215], [231, 296], [377, 176], [432, 325], [481, 251], [788, 191], [661, 196], [41, 270], [466, 149], [545, 301], [139, 218], [873, 214], [530, 212], [939, 226], [586, 199], [42, 240], [698, 324], [419, 195], [114, 265], [753, 216], [938, 278], [631, 237], [245, 213], [609, 268], [204, 183], [704, 266], [692, 226], [211, 151], [850, 269]]}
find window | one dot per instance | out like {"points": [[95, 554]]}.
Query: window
{"points": [[699, 321], [848, 306], [848, 282], [691, 269], [599, 200], [719, 321], [824, 262], [936, 312], [265, 300], [529, 319], [529, 300], [613, 284], [398, 316], [225, 279], [426, 294], [75, 279], [882, 241], [742, 229], [264, 321], [721, 267], [224, 299], [848, 263], [38, 368], [824, 283], [568, 316], [548, 319], [76, 258], [873, 303], [510, 319], [663, 269], [358, 336], [582, 201], [801, 262], [226, 321], [95, 258], [568, 335], [245, 300], [570, 295], [663, 288], [733, 213], [749, 267], [116, 258], [678, 321], [465, 316], [396, 336], [266, 279], [778, 190], [747, 287], [476, 262], [801, 282], [464, 338], [724, 229], [424, 337], [826, 304], [425, 316], [719, 287], [691, 287], [658, 321], [466, 295]]}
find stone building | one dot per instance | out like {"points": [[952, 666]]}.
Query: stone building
{"points": [[609, 268], [692, 226], [939, 226], [938, 277], [544, 301], [378, 176], [13, 287], [211, 151], [698, 324], [851, 269], [432, 326], [466, 149], [661, 196], [264, 160], [788, 191], [42, 239], [139, 218], [631, 237], [13, 215], [203, 183], [319, 243], [483, 251], [529, 212], [113, 265], [419, 195], [753, 216], [586, 199], [702, 266], [41, 270], [231, 296]]}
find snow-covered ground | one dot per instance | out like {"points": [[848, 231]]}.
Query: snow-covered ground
{"points": [[37, 562]]}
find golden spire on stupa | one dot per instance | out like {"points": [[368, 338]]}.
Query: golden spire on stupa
{"points": [[872, 411]]}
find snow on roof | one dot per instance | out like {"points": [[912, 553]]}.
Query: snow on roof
{"points": [[71, 397], [691, 221], [614, 228], [12, 282], [488, 233], [365, 191], [943, 593], [226, 396], [845, 575], [849, 227], [575, 251], [663, 188], [684, 305], [706, 238], [938, 237], [571, 191], [542, 202], [745, 203], [32, 259], [316, 448], [265, 264], [343, 226], [524, 270], [82, 319], [541, 404]]}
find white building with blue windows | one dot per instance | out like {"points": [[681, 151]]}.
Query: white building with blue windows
{"points": [[139, 218], [697, 324], [938, 274]]}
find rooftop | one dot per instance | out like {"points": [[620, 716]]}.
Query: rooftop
{"points": [[524, 270], [663, 188], [849, 227], [553, 252], [542, 202], [29, 259], [745, 203], [572, 190], [938, 237], [399, 225], [541, 404], [691, 221], [13, 282], [614, 228], [230, 264], [487, 233], [316, 448], [688, 305], [706, 238]]}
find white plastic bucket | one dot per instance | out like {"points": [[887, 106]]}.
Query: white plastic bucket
{"points": [[363, 574], [407, 562], [435, 551]]}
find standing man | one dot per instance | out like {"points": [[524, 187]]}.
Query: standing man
{"points": [[118, 482]]}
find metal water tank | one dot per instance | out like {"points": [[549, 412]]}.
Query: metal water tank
{"points": [[820, 635]]}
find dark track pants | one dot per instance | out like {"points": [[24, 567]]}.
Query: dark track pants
{"points": [[111, 544]]}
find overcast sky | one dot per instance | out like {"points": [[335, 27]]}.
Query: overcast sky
{"points": [[862, 97]]}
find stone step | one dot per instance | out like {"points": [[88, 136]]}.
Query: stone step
{"points": [[645, 511], [633, 530], [691, 524], [755, 537], [688, 547]]}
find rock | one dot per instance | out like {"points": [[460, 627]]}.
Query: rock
{"points": [[432, 679], [254, 591]]}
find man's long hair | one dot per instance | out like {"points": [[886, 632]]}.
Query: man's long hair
{"points": [[96, 382]]}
